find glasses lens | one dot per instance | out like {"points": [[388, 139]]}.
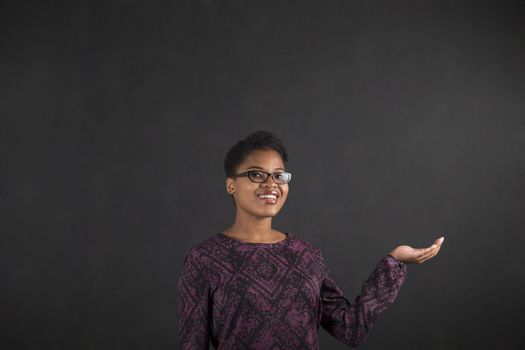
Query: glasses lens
{"points": [[258, 176], [282, 178]]}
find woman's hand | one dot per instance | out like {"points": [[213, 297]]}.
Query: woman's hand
{"points": [[408, 254]]}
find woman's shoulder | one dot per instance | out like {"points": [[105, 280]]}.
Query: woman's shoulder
{"points": [[304, 244], [204, 245]]}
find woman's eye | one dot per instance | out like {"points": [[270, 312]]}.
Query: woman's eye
{"points": [[257, 174]]}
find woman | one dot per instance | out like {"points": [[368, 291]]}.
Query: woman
{"points": [[254, 287]]}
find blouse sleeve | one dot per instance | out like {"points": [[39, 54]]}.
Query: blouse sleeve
{"points": [[351, 322], [193, 306]]}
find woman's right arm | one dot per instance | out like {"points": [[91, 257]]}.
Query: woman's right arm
{"points": [[193, 305]]}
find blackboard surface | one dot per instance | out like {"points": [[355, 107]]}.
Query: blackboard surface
{"points": [[402, 119]]}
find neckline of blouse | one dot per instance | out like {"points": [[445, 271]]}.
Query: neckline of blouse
{"points": [[256, 244]]}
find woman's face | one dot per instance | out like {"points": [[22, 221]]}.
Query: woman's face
{"points": [[246, 192]]}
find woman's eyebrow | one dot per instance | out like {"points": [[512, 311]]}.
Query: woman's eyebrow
{"points": [[258, 167]]}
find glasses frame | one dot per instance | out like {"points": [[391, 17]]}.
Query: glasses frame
{"points": [[247, 174]]}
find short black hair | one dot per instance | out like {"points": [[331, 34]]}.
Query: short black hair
{"points": [[258, 140]]}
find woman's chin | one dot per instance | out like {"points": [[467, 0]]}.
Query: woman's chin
{"points": [[267, 211]]}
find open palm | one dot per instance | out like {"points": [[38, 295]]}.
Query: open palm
{"points": [[407, 254]]}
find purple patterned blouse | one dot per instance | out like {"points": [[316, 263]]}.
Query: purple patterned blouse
{"points": [[240, 295]]}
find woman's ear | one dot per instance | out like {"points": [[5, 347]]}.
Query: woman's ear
{"points": [[230, 188]]}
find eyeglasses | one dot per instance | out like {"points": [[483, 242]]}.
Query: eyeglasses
{"points": [[259, 176]]}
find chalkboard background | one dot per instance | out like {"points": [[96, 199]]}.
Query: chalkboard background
{"points": [[402, 119]]}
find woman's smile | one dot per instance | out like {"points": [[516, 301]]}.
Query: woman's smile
{"points": [[268, 199], [269, 196]]}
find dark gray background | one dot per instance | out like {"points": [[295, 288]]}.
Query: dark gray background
{"points": [[403, 119]]}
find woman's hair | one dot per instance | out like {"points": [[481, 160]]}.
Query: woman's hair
{"points": [[258, 140]]}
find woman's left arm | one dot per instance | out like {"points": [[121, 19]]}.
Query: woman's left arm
{"points": [[351, 322]]}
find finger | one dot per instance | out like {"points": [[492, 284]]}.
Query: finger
{"points": [[439, 247], [424, 251], [417, 258], [426, 256], [423, 254], [438, 242], [428, 253]]}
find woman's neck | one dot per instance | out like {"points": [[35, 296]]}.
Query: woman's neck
{"points": [[254, 234]]}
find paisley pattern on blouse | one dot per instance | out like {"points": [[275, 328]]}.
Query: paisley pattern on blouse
{"points": [[238, 295]]}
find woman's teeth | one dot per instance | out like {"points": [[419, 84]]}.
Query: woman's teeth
{"points": [[268, 196]]}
